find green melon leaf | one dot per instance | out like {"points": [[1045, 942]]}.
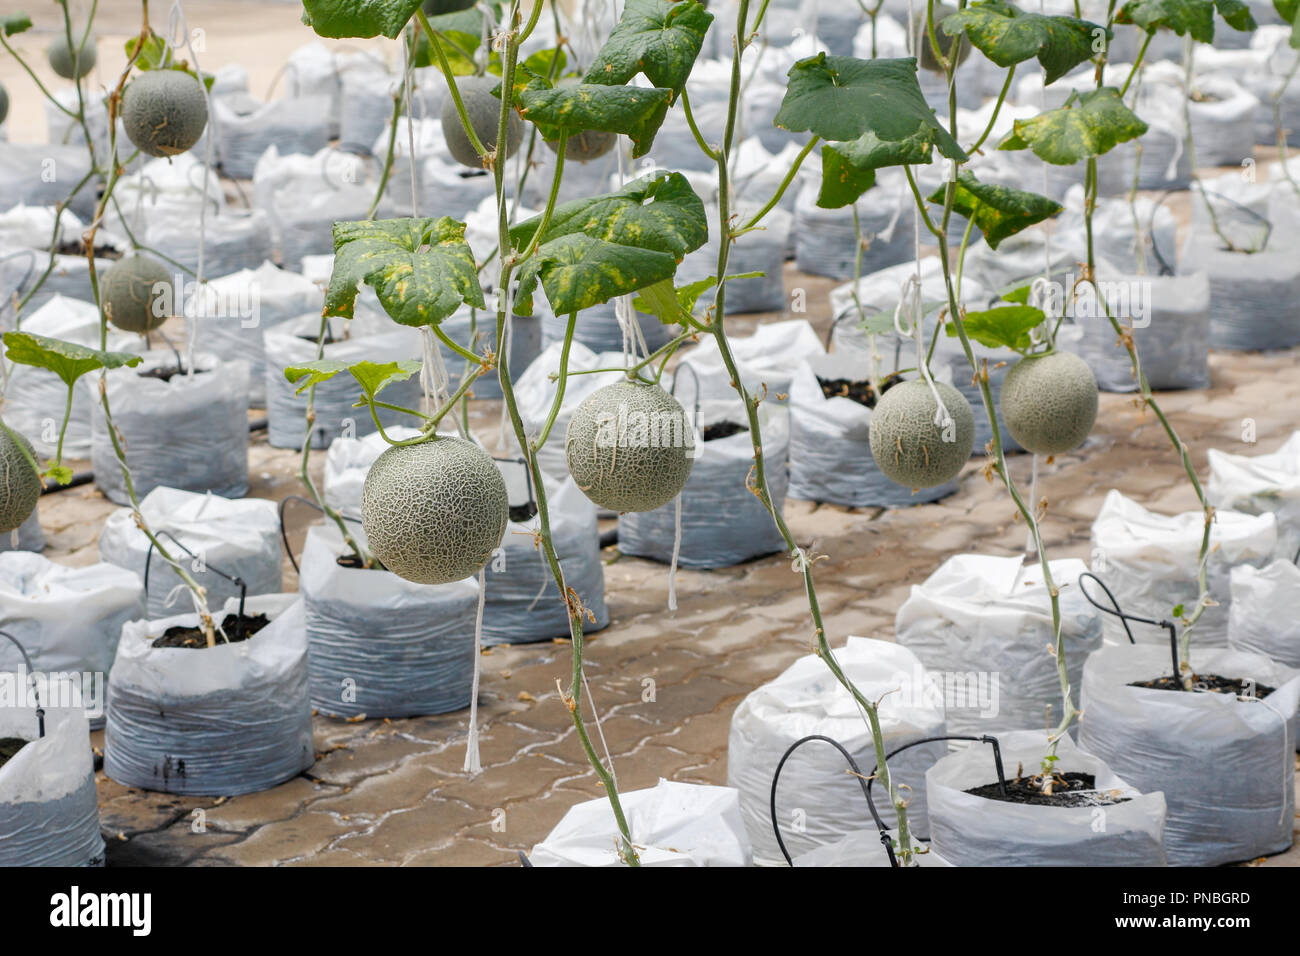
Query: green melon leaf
{"points": [[579, 271], [67, 360], [1089, 124], [455, 47], [421, 269], [1184, 17], [849, 169], [669, 304], [635, 112], [1288, 10], [358, 18], [154, 55], [373, 377], [1008, 35], [998, 211], [882, 323], [16, 23], [1019, 294], [658, 38], [660, 212], [1006, 327], [1236, 15], [840, 98]]}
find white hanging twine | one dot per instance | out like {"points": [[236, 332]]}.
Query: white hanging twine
{"points": [[909, 303], [472, 763]]}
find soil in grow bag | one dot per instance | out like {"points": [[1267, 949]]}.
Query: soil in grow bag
{"points": [[236, 628], [10, 746], [1207, 682], [78, 248], [1069, 789], [524, 512], [860, 392], [167, 373], [725, 429]]}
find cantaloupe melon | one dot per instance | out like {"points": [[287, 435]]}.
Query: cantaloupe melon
{"points": [[434, 512], [164, 112], [4, 103], [130, 290], [20, 485], [630, 447], [1049, 402], [484, 112], [941, 12], [909, 448], [66, 61]]}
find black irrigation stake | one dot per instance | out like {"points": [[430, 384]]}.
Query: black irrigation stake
{"points": [[234, 579], [1124, 618], [36, 692], [284, 534], [672, 390]]}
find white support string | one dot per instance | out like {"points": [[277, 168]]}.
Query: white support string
{"points": [[909, 302], [677, 551], [600, 730], [408, 69], [472, 762]]}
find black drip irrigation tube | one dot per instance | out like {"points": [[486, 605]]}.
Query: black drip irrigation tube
{"points": [[232, 578], [1124, 618], [865, 781], [284, 532], [86, 477], [36, 693]]}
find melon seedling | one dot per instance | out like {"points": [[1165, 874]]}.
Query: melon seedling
{"points": [[586, 145], [164, 112], [130, 291], [433, 513], [942, 11], [1049, 402], [66, 61], [630, 447], [909, 448], [20, 485], [484, 112]]}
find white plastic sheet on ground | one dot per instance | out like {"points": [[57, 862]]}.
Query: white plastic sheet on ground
{"points": [[49, 814], [216, 721], [1260, 484], [968, 830], [240, 537], [1263, 619], [830, 450], [768, 358], [671, 824], [190, 432], [1226, 766], [67, 619], [722, 523], [382, 646], [818, 802], [1149, 562], [982, 626]]}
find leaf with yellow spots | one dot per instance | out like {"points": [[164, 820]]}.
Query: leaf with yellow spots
{"points": [[421, 269], [634, 111], [578, 271], [659, 38]]}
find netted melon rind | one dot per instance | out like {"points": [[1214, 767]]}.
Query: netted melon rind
{"points": [[20, 488], [629, 447], [433, 513], [164, 112], [63, 59], [906, 443], [128, 295], [484, 112], [1049, 402]]}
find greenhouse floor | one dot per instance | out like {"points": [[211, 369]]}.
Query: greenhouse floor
{"points": [[392, 792]]}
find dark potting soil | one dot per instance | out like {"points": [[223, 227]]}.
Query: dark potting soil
{"points": [[235, 627], [1212, 683], [860, 392], [167, 373], [524, 512], [1065, 792], [10, 746], [723, 430], [78, 248]]}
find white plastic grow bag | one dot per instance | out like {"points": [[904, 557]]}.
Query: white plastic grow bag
{"points": [[1149, 562], [968, 830], [218, 721], [671, 824], [28, 536], [232, 240], [35, 398], [190, 432], [375, 339], [825, 241], [234, 310], [70, 276], [949, 355], [42, 174], [1226, 766], [239, 537], [348, 462], [862, 848], [382, 646], [365, 106], [1261, 484], [1245, 290], [722, 523], [524, 341], [292, 125], [817, 801], [1263, 618], [67, 619], [49, 814], [830, 450], [766, 360], [1172, 339], [597, 328], [982, 626], [763, 250]]}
